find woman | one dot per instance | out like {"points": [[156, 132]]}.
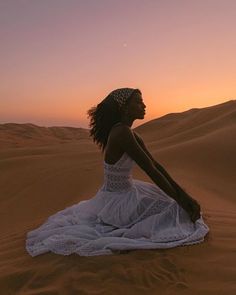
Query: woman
{"points": [[125, 213]]}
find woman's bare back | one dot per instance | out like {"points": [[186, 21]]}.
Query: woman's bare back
{"points": [[113, 152]]}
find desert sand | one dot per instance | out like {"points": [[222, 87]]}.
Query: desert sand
{"points": [[44, 170]]}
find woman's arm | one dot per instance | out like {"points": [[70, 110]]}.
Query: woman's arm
{"points": [[157, 165], [184, 199], [130, 145]]}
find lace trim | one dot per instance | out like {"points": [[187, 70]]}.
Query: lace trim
{"points": [[117, 186], [117, 179], [115, 169]]}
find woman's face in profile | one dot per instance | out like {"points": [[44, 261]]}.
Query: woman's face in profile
{"points": [[136, 107]]}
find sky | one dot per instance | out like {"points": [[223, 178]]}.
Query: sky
{"points": [[59, 58]]}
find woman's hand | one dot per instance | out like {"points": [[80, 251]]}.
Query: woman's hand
{"points": [[190, 205]]}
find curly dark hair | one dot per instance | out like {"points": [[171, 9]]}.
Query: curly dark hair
{"points": [[103, 117]]}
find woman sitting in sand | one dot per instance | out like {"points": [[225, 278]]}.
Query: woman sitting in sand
{"points": [[125, 213]]}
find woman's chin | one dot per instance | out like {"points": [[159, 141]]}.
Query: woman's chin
{"points": [[141, 116]]}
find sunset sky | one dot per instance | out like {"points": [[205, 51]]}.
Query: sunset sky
{"points": [[58, 58]]}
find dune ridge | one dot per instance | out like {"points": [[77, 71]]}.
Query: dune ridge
{"points": [[20, 135], [189, 124]]}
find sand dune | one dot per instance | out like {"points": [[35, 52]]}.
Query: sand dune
{"points": [[20, 135], [39, 176], [178, 127]]}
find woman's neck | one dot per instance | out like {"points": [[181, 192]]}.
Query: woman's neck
{"points": [[127, 121]]}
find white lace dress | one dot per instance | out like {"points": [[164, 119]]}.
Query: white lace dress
{"points": [[124, 214]]}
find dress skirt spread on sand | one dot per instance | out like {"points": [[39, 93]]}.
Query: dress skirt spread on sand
{"points": [[124, 214]]}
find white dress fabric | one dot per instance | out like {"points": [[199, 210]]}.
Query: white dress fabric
{"points": [[124, 214]]}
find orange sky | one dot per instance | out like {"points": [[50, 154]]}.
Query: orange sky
{"points": [[59, 58]]}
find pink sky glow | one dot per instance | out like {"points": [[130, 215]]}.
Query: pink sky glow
{"points": [[59, 58]]}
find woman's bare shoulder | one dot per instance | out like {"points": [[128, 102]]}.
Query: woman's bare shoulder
{"points": [[118, 133]]}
